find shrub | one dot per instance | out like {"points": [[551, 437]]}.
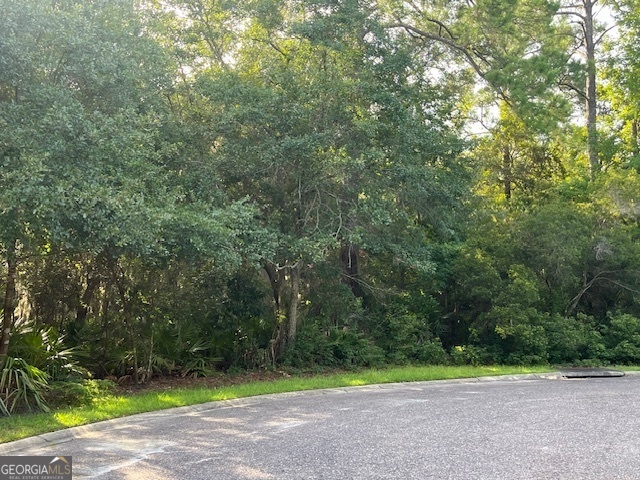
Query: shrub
{"points": [[472, 355], [76, 394], [333, 347], [432, 353], [574, 340], [524, 344], [21, 387], [622, 338], [43, 347], [353, 349], [518, 334], [184, 348], [407, 338], [311, 348]]}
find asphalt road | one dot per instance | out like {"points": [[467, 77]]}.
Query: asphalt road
{"points": [[531, 428]]}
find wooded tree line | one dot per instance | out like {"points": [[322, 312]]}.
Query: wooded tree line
{"points": [[197, 184]]}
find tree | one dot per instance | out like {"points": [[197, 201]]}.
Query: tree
{"points": [[518, 55], [521, 163], [78, 105], [587, 35], [512, 47], [620, 88], [334, 131]]}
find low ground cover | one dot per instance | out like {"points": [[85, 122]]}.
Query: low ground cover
{"points": [[176, 392]]}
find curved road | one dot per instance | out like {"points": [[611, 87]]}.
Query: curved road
{"points": [[526, 428]]}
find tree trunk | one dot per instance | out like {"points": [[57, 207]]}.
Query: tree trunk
{"points": [[294, 302], [275, 279], [591, 94], [635, 150], [93, 281], [136, 375], [149, 372], [289, 314], [507, 171], [349, 259], [9, 302]]}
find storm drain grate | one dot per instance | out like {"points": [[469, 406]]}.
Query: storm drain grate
{"points": [[590, 373]]}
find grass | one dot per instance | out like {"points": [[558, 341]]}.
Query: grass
{"points": [[627, 368], [27, 425]]}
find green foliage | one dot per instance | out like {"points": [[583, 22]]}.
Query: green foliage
{"points": [[22, 386], [44, 348], [81, 124], [336, 347], [523, 344], [184, 186], [408, 338], [472, 355], [622, 337], [513, 322], [574, 340], [515, 47], [352, 349], [473, 281], [182, 348], [311, 348], [78, 393]]}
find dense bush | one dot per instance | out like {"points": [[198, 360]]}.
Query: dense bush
{"points": [[472, 355], [523, 344], [333, 347], [407, 337], [622, 337], [574, 340], [76, 394]]}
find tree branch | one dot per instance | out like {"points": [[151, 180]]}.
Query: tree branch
{"points": [[599, 39], [574, 88], [573, 14], [414, 31]]}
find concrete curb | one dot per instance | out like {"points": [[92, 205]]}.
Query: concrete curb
{"points": [[62, 436]]}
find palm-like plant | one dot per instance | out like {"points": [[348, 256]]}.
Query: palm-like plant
{"points": [[43, 347], [21, 385]]}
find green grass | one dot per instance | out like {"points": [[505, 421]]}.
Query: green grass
{"points": [[22, 426], [627, 368]]}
